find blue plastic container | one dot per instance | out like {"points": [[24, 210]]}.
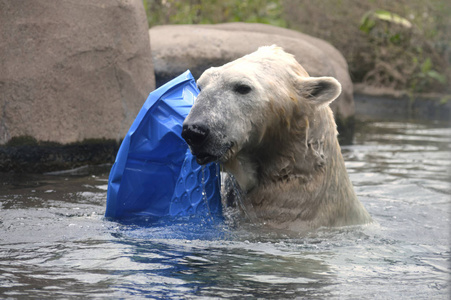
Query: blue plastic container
{"points": [[154, 174]]}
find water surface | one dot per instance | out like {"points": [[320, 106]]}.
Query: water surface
{"points": [[55, 243]]}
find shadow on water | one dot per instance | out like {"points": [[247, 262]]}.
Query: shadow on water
{"points": [[54, 241]]}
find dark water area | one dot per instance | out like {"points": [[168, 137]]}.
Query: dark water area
{"points": [[55, 243]]}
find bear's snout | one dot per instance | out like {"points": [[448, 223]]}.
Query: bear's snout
{"points": [[195, 135], [205, 144]]}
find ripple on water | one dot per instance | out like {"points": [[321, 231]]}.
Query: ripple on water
{"points": [[54, 241]]}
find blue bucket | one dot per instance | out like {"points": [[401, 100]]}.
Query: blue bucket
{"points": [[154, 174]]}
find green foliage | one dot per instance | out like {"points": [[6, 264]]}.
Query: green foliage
{"points": [[368, 21], [400, 57], [426, 77], [404, 44], [427, 72], [445, 99], [162, 12]]}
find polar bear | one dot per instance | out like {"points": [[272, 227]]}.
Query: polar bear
{"points": [[270, 126]]}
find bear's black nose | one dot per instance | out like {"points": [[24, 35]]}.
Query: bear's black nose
{"points": [[195, 135]]}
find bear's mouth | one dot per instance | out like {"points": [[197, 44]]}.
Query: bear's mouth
{"points": [[222, 155], [205, 158]]}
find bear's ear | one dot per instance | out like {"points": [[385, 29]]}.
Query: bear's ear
{"points": [[319, 91]]}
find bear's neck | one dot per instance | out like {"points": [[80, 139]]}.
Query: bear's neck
{"points": [[286, 152], [299, 151], [303, 169]]}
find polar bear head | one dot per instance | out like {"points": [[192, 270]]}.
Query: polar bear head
{"points": [[244, 104]]}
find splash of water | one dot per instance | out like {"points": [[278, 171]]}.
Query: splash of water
{"points": [[238, 196], [204, 196]]}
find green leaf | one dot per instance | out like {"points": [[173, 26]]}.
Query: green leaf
{"points": [[426, 66], [437, 76], [392, 17], [396, 38], [445, 99], [367, 23]]}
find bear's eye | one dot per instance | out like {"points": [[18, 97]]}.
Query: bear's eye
{"points": [[198, 87], [242, 89]]}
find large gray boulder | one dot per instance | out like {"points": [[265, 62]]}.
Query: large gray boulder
{"points": [[72, 70], [176, 48]]}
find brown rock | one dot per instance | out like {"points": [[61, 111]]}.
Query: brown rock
{"points": [[72, 70]]}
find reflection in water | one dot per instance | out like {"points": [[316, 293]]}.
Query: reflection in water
{"points": [[54, 241], [182, 268]]}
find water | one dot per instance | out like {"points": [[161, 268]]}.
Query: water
{"points": [[54, 242]]}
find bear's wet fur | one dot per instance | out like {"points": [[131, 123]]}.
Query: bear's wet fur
{"points": [[270, 125]]}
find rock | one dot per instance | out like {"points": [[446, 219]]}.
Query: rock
{"points": [[176, 48], [72, 70], [386, 103]]}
